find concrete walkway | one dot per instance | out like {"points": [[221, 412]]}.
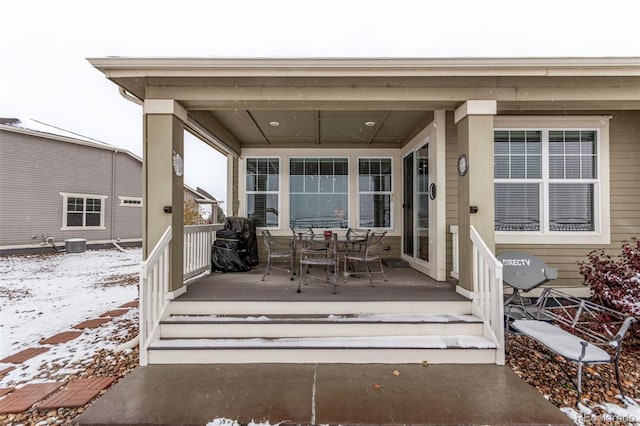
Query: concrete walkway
{"points": [[323, 394]]}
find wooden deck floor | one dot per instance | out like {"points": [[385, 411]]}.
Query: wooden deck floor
{"points": [[403, 284]]}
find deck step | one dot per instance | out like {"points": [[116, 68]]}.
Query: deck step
{"points": [[358, 350], [187, 307], [215, 326]]}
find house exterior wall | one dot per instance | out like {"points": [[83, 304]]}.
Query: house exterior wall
{"points": [[624, 155], [35, 170], [128, 183], [451, 155]]}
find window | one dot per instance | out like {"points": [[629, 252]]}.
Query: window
{"points": [[374, 188], [319, 192], [262, 188], [546, 180], [83, 211], [131, 201]]}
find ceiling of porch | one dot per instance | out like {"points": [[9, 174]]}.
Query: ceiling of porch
{"points": [[313, 128]]}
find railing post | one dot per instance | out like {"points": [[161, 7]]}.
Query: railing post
{"points": [[487, 284]]}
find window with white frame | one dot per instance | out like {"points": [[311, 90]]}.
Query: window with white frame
{"points": [[374, 188], [83, 211], [262, 190], [546, 180], [319, 192], [131, 201]]}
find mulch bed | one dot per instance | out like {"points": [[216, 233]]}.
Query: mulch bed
{"points": [[548, 374]]}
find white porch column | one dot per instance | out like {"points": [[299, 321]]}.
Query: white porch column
{"points": [[474, 121], [163, 180]]}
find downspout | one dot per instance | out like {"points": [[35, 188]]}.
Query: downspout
{"points": [[113, 193], [128, 96]]}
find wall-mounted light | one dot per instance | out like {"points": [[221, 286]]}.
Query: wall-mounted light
{"points": [[370, 123], [274, 123]]}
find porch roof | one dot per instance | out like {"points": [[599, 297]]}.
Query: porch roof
{"points": [[363, 102]]}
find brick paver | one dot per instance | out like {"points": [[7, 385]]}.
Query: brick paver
{"points": [[24, 355], [5, 371], [115, 313], [77, 393], [23, 398], [4, 391], [63, 337], [133, 304], [92, 323]]}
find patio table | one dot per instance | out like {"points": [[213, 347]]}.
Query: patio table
{"points": [[343, 243]]}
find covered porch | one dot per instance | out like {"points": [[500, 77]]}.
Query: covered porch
{"points": [[405, 146]]}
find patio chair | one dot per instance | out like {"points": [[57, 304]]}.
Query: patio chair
{"points": [[318, 252], [276, 252], [359, 236], [372, 252], [305, 232]]}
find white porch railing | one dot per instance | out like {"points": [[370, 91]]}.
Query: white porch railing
{"points": [[154, 278], [197, 248], [487, 285], [154, 286], [455, 250]]}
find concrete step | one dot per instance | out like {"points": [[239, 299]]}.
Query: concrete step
{"points": [[214, 326], [435, 349], [179, 307]]}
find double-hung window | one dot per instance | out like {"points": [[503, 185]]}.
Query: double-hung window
{"points": [[374, 188], [262, 190], [548, 184], [83, 211], [319, 192]]}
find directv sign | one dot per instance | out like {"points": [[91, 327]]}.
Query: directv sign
{"points": [[524, 271]]}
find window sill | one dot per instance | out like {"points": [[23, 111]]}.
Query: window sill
{"points": [[552, 238], [83, 228]]}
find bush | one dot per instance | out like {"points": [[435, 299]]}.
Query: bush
{"points": [[615, 282]]}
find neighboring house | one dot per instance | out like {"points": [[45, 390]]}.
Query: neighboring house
{"points": [[206, 204], [56, 185], [535, 154]]}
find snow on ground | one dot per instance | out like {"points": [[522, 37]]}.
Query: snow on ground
{"points": [[64, 359], [42, 295], [614, 414]]}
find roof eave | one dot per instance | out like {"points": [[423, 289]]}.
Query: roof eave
{"points": [[120, 67]]}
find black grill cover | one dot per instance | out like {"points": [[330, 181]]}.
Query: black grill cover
{"points": [[247, 228], [229, 252]]}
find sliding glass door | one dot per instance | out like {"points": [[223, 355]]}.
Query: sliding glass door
{"points": [[416, 204]]}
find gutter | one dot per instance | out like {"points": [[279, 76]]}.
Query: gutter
{"points": [[128, 96]]}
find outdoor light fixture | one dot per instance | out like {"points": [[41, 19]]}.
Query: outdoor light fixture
{"points": [[274, 123], [370, 123]]}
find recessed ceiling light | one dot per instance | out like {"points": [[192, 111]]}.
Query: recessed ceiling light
{"points": [[274, 123], [370, 123]]}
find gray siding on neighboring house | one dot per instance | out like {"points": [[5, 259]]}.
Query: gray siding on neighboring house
{"points": [[128, 183], [34, 170]]}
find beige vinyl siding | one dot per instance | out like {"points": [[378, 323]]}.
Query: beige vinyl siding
{"points": [[451, 183], [624, 152], [34, 171]]}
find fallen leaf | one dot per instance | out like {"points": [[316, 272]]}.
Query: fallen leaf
{"points": [[377, 386], [396, 373], [425, 363]]}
